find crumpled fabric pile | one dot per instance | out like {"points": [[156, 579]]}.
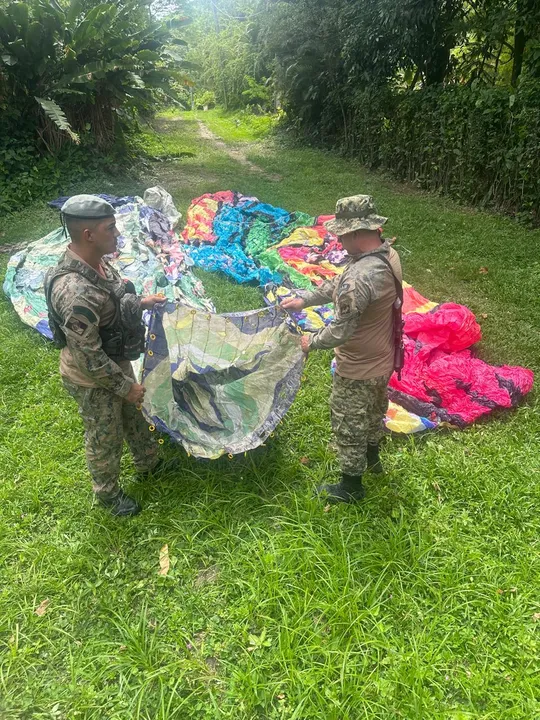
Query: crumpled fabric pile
{"points": [[149, 254], [233, 233], [443, 379], [442, 383], [219, 384]]}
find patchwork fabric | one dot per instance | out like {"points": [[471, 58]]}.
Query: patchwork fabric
{"points": [[219, 384], [149, 254], [442, 381]]}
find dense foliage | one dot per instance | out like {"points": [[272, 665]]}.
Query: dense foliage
{"points": [[77, 73], [444, 93], [226, 50]]}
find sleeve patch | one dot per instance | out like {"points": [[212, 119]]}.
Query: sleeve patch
{"points": [[77, 326], [85, 312], [344, 287], [345, 304]]}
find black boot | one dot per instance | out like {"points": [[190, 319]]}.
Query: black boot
{"points": [[121, 505], [374, 463], [349, 490]]}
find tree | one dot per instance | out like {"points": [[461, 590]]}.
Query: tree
{"points": [[225, 45], [65, 69], [526, 28]]}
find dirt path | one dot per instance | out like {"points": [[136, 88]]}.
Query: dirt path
{"points": [[237, 154]]}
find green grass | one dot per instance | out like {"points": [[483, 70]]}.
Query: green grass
{"points": [[420, 603], [238, 127]]}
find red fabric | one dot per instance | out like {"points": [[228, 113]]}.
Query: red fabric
{"points": [[440, 368], [291, 252], [451, 327]]}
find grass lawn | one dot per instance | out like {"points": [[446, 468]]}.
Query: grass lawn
{"points": [[423, 602]]}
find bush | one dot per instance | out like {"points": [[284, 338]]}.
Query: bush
{"points": [[480, 144], [26, 175], [205, 99], [74, 79]]}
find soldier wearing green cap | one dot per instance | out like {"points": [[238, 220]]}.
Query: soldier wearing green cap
{"points": [[362, 334], [96, 318]]}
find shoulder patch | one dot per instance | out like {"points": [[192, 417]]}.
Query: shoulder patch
{"points": [[77, 326], [85, 312], [345, 304]]}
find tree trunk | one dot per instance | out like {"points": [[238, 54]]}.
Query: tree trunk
{"points": [[497, 61], [520, 41], [523, 9], [415, 79], [436, 67]]}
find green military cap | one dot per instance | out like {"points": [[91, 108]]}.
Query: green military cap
{"points": [[87, 207], [355, 213]]}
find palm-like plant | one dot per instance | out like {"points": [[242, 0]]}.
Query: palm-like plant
{"points": [[68, 68]]}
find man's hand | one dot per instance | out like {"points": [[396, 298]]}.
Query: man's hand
{"points": [[136, 394], [148, 302], [293, 304], [305, 343]]}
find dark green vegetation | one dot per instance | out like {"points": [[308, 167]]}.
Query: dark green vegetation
{"points": [[443, 93], [75, 79], [423, 602]]}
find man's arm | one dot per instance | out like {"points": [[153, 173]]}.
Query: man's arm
{"points": [[323, 294], [354, 296], [79, 305]]}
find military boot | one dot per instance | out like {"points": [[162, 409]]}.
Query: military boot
{"points": [[348, 490], [120, 505], [374, 463]]}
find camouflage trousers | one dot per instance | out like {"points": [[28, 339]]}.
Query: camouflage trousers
{"points": [[108, 420], [357, 409]]}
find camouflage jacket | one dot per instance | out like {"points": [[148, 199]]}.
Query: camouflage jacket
{"points": [[83, 304], [365, 281]]}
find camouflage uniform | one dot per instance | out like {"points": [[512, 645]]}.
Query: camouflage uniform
{"points": [[361, 334], [357, 409], [108, 420], [81, 304]]}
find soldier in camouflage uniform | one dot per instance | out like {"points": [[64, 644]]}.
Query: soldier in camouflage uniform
{"points": [[97, 320], [362, 333]]}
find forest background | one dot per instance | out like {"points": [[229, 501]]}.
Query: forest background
{"points": [[441, 93]]}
